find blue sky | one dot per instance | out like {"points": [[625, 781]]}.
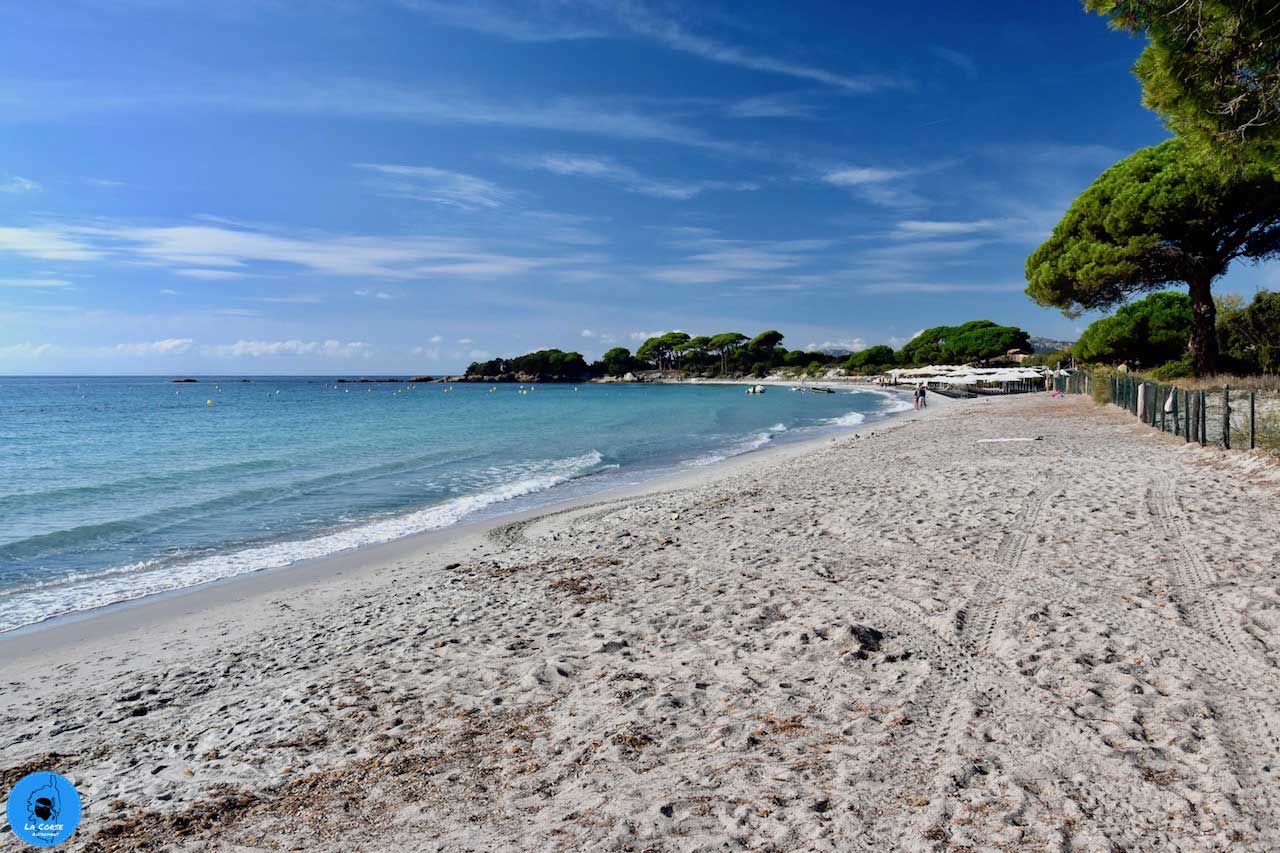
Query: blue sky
{"points": [[267, 186]]}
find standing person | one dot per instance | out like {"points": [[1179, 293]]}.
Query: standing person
{"points": [[915, 396], [923, 404]]}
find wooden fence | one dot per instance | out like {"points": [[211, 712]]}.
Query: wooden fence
{"points": [[1230, 419]]}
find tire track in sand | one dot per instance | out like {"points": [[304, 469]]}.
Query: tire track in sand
{"points": [[976, 624], [1201, 607]]}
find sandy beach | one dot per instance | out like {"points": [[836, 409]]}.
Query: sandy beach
{"points": [[917, 638]]}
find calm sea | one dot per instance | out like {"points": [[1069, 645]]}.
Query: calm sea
{"points": [[116, 488]]}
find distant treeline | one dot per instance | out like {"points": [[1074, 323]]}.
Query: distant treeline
{"points": [[735, 354]]}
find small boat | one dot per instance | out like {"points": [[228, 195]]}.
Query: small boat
{"points": [[756, 389], [815, 389]]}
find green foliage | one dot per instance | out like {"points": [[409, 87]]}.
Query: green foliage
{"points": [[1250, 335], [1180, 369], [1150, 331], [871, 360], [766, 340], [551, 363], [617, 362], [662, 349], [1156, 218], [1048, 359], [977, 340], [1211, 68]]}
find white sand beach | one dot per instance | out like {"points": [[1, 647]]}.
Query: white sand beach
{"points": [[912, 639]]}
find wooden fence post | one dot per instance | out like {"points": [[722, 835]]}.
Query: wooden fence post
{"points": [[1226, 416], [1252, 427], [1203, 418], [1186, 417]]}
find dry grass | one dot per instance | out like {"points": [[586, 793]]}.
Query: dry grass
{"points": [[1260, 382]]}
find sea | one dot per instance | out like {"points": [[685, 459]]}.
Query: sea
{"points": [[116, 488]]}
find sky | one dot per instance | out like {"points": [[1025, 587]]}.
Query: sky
{"points": [[406, 186]]}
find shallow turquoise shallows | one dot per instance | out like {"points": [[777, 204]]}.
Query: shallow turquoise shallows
{"points": [[115, 488]]}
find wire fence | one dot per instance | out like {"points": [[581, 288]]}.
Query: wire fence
{"points": [[1231, 419]]}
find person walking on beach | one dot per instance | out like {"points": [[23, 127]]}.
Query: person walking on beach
{"points": [[916, 396], [920, 402]]}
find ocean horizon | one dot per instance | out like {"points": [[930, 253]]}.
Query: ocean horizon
{"points": [[123, 487]]}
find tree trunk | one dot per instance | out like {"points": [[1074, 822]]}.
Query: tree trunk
{"points": [[1204, 332]]}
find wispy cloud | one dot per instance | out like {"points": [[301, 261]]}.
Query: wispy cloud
{"points": [[858, 176], [439, 186], [50, 244], [18, 184], [34, 282], [879, 185], [355, 98], [942, 287], [960, 60], [851, 344], [629, 19], [213, 252], [266, 349], [714, 260], [921, 229], [604, 168], [643, 22], [168, 346], [771, 106], [25, 351], [211, 275]]}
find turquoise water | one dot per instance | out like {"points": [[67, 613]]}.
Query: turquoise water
{"points": [[115, 488]]}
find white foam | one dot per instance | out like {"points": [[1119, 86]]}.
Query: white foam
{"points": [[850, 419], [898, 405], [755, 442], [114, 585]]}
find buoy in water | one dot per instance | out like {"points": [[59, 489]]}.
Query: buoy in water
{"points": [[208, 402]]}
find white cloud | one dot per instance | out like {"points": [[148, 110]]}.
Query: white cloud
{"points": [[210, 275], [25, 351], [167, 292], [265, 349], [852, 344], [440, 186], [346, 97], [169, 346], [541, 22], [715, 260], [194, 249], [641, 337], [51, 244], [435, 339], [587, 333], [375, 294], [34, 282], [465, 341], [891, 287], [927, 229], [629, 179], [857, 176], [18, 184]]}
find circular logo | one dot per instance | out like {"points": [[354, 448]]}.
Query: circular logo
{"points": [[43, 809]]}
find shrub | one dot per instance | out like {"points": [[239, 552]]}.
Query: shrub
{"points": [[1180, 369]]}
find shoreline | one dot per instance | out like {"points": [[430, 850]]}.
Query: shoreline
{"points": [[90, 625], [924, 635]]}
